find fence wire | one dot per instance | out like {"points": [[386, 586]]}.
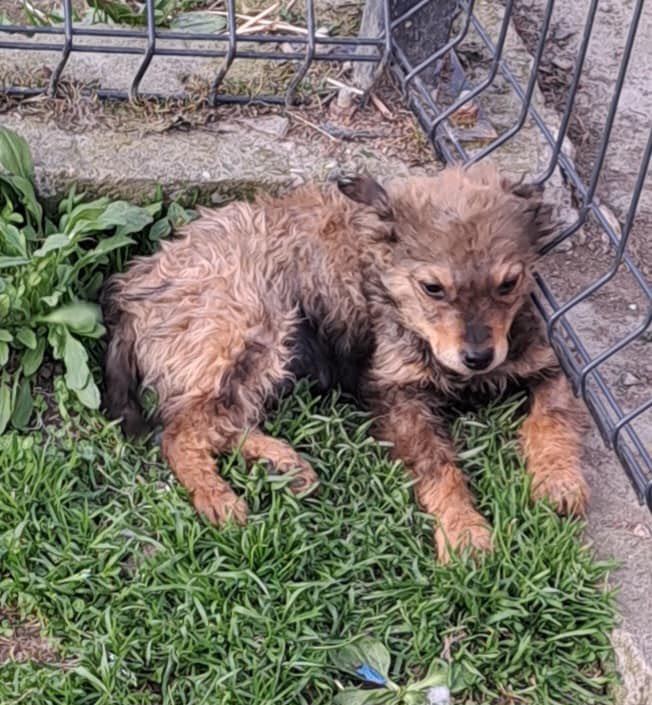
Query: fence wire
{"points": [[439, 86]]}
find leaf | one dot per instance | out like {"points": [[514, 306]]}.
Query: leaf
{"points": [[89, 396], [5, 406], [130, 218], [23, 406], [374, 654], [347, 659], [80, 317], [57, 340], [75, 358], [355, 696], [111, 243], [15, 242], [83, 672], [5, 336], [5, 305], [199, 22], [83, 217], [160, 229], [179, 216], [25, 189], [32, 359], [51, 299], [4, 354], [8, 262], [15, 156], [436, 675], [52, 243], [97, 331], [156, 207], [26, 337], [92, 288]]}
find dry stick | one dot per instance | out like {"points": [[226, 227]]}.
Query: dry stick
{"points": [[269, 25], [344, 86], [314, 127], [253, 20], [380, 106]]}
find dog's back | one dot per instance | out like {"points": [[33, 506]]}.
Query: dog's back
{"points": [[289, 273]]}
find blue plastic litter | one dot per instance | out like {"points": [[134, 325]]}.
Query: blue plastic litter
{"points": [[370, 675]]}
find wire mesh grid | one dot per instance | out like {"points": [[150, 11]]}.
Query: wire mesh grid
{"points": [[443, 87]]}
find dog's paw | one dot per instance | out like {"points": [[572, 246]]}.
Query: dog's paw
{"points": [[464, 529], [565, 488], [304, 479], [220, 505]]}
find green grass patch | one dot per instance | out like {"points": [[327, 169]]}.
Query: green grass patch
{"points": [[147, 604]]}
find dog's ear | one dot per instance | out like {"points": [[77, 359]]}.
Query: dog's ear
{"points": [[363, 189], [539, 215]]}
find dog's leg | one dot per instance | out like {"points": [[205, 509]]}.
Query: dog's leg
{"points": [[551, 438], [188, 444], [421, 441], [258, 446]]}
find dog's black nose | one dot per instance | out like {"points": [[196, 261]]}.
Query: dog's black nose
{"points": [[478, 359]]}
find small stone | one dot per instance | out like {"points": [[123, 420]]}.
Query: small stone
{"points": [[633, 307], [322, 31], [627, 379], [206, 175]]}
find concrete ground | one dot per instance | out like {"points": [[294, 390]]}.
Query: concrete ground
{"points": [[236, 152]]}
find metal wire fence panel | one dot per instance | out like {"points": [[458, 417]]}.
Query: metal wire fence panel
{"points": [[473, 94]]}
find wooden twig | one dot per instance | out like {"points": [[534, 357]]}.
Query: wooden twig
{"points": [[261, 15], [344, 86], [314, 127], [380, 106]]}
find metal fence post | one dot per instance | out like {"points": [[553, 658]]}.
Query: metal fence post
{"points": [[418, 28]]}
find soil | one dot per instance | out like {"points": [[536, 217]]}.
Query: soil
{"points": [[22, 640]]}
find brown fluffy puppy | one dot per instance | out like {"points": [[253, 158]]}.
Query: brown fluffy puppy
{"points": [[415, 297]]}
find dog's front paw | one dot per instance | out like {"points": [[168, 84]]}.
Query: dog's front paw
{"points": [[463, 529], [304, 479], [219, 505], [564, 487]]}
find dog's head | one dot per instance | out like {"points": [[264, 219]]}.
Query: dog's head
{"points": [[464, 245]]}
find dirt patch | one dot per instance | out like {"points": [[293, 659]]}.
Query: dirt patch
{"points": [[22, 641]]}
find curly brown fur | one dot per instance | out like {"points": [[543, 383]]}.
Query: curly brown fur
{"points": [[415, 296]]}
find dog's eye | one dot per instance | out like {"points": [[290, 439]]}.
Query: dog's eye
{"points": [[435, 290], [507, 286]]}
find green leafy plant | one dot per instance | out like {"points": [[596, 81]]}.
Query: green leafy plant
{"points": [[147, 604], [50, 272], [173, 14], [369, 660]]}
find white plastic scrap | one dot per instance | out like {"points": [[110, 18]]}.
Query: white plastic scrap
{"points": [[439, 695]]}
